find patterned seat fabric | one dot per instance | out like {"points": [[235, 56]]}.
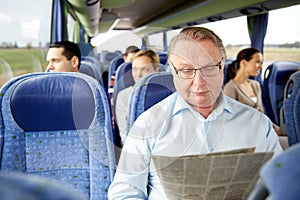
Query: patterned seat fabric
{"points": [[29, 187], [58, 125]]}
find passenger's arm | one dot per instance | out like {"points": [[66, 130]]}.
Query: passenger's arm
{"points": [[273, 140], [131, 178], [121, 113], [230, 90]]}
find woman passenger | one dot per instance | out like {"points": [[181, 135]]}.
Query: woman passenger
{"points": [[143, 63], [239, 87]]}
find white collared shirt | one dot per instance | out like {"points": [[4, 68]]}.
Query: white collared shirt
{"points": [[173, 128]]}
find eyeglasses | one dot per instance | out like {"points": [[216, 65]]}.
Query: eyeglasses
{"points": [[207, 71]]}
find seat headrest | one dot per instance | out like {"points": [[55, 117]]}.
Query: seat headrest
{"points": [[159, 87], [49, 103], [87, 69]]}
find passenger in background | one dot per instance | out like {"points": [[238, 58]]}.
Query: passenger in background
{"points": [[127, 56], [143, 63], [239, 87], [63, 56], [197, 119], [129, 53]]}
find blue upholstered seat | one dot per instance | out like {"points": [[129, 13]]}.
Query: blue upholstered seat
{"points": [[123, 79], [58, 125], [86, 49], [113, 66], [148, 91], [20, 186], [291, 109], [89, 67], [275, 78], [281, 175], [163, 57]]}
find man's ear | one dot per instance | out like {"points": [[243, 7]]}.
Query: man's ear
{"points": [[75, 62]]}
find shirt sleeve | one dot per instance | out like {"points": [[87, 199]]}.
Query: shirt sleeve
{"points": [[131, 178], [273, 143], [122, 112]]}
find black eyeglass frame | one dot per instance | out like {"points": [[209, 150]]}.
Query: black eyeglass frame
{"points": [[196, 69]]}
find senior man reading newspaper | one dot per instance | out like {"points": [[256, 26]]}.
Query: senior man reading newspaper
{"points": [[197, 119]]}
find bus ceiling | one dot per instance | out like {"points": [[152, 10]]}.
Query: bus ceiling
{"points": [[145, 17]]}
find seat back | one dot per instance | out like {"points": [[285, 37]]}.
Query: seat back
{"points": [[89, 68], [29, 187], [163, 57], [291, 108], [58, 125], [148, 91], [113, 66], [86, 49], [281, 175], [275, 78], [123, 79]]}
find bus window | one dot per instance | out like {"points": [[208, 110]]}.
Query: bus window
{"points": [[25, 35]]}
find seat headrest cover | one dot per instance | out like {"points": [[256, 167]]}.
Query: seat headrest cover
{"points": [[48, 103]]}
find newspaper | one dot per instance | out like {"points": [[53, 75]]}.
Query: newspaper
{"points": [[227, 175]]}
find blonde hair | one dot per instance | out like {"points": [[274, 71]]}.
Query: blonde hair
{"points": [[150, 54]]}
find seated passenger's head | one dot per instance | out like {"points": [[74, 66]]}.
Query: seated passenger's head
{"points": [[63, 56], [143, 63], [248, 62], [196, 57], [129, 53]]}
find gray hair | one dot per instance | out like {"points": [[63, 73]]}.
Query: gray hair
{"points": [[198, 34]]}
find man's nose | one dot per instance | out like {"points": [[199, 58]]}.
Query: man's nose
{"points": [[49, 66], [198, 79]]}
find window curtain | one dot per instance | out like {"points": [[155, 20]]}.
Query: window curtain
{"points": [[58, 24], [257, 28]]}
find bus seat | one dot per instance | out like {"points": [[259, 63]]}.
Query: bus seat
{"points": [[58, 125], [148, 91], [86, 49], [123, 79], [93, 60], [275, 78], [88, 68], [163, 57], [281, 174], [291, 108], [227, 62], [114, 64], [29, 187]]}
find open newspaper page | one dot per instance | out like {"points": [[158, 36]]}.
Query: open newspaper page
{"points": [[225, 175]]}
